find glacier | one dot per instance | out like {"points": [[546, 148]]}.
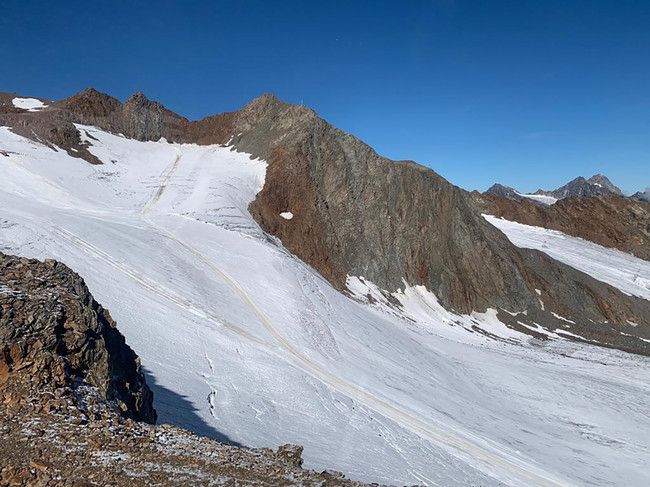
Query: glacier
{"points": [[244, 342]]}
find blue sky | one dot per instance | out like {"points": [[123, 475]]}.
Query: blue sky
{"points": [[526, 93]]}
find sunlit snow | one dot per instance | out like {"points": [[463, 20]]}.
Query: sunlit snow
{"points": [[29, 104], [244, 342]]}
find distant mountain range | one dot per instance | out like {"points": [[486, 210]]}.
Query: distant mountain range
{"points": [[596, 185], [642, 196]]}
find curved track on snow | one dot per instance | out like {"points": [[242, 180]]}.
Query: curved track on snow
{"points": [[471, 449]]}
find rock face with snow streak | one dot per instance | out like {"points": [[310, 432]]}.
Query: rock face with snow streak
{"points": [[611, 221], [597, 185], [360, 214]]}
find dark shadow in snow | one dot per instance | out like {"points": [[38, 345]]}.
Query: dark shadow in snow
{"points": [[177, 410]]}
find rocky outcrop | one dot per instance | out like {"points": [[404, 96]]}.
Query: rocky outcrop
{"points": [[55, 334], [611, 221]]}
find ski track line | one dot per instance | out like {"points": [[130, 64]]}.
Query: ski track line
{"points": [[153, 286], [161, 188], [469, 449]]}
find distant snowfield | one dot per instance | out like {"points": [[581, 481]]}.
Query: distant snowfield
{"points": [[243, 341], [619, 269], [540, 198], [29, 104]]}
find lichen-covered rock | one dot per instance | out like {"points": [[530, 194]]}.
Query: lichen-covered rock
{"points": [[52, 328]]}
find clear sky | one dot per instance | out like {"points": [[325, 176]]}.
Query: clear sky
{"points": [[527, 93]]}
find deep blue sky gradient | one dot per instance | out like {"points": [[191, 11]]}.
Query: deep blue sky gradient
{"points": [[527, 93]]}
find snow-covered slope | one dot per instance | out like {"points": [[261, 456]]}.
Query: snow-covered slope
{"points": [[243, 341], [619, 269]]}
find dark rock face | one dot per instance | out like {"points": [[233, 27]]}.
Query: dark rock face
{"points": [[51, 326], [611, 221]]}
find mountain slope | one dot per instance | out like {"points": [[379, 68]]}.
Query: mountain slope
{"points": [[259, 348], [357, 214], [611, 221]]}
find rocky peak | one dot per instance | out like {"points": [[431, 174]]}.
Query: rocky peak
{"points": [[604, 182], [90, 104], [642, 195], [143, 119], [503, 191]]}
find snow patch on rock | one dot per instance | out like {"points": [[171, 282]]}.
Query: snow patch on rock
{"points": [[29, 104]]}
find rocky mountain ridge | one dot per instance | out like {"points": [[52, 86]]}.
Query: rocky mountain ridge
{"points": [[596, 185], [610, 221], [359, 214]]}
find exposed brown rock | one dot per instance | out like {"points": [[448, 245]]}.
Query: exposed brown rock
{"points": [[51, 326], [611, 221]]}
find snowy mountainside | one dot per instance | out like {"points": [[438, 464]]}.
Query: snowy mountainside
{"points": [[265, 351], [619, 269]]}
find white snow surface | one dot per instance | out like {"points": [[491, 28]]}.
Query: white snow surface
{"points": [[287, 215], [541, 198], [244, 342], [29, 104], [619, 269]]}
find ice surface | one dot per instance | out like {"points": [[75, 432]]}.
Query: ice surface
{"points": [[243, 341]]}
